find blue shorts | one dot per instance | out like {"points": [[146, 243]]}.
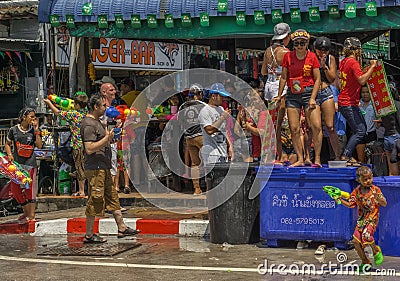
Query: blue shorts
{"points": [[324, 95], [390, 141], [299, 100]]}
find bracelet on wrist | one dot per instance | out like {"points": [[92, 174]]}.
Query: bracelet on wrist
{"points": [[38, 133]]}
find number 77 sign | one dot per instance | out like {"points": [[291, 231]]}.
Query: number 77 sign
{"points": [[380, 92]]}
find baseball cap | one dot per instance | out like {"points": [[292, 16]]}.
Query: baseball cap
{"points": [[105, 79], [218, 88], [352, 43], [322, 43], [281, 30], [196, 88], [300, 34]]}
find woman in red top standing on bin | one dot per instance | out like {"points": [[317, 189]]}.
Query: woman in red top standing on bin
{"points": [[301, 73], [351, 78]]}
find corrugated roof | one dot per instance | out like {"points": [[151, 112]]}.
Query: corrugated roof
{"points": [[177, 7]]}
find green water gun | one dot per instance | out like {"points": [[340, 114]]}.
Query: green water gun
{"points": [[335, 193]]}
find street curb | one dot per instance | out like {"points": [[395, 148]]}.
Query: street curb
{"points": [[107, 226]]}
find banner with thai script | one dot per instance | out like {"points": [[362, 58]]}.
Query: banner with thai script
{"points": [[138, 55], [379, 89]]}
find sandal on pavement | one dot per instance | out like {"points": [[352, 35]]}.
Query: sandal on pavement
{"points": [[320, 250], [94, 239], [127, 232]]}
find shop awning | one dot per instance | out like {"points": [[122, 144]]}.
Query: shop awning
{"points": [[258, 17]]}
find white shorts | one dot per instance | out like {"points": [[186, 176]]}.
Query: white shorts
{"points": [[271, 90]]}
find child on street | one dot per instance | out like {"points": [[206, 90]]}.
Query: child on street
{"points": [[74, 118], [368, 198]]}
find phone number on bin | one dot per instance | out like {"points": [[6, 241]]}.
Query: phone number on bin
{"points": [[302, 221]]}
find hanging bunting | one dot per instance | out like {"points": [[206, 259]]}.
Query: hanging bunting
{"points": [[370, 9], [119, 21], [313, 13], [204, 19], [350, 11], [27, 54], [135, 21], [70, 21], [55, 20], [276, 16], [102, 21], [87, 9], [18, 55], [169, 21], [152, 21], [222, 6], [333, 11], [9, 54], [259, 17], [295, 15], [2, 55], [241, 18]]}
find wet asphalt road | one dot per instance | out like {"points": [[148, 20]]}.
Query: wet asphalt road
{"points": [[168, 258]]}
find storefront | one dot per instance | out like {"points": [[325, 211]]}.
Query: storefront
{"points": [[222, 26]]}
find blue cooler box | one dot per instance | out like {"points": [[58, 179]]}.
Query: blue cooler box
{"points": [[388, 231], [293, 205]]}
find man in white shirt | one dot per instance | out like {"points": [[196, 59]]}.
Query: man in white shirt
{"points": [[212, 118]]}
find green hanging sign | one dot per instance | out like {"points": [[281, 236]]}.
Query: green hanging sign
{"points": [[313, 14], [55, 20], [222, 6], [169, 21], [370, 9], [102, 21], [186, 20], [152, 21], [204, 19], [119, 21], [241, 18], [259, 17], [70, 21], [135, 21], [87, 9], [295, 15], [276, 16], [350, 11], [333, 11]]}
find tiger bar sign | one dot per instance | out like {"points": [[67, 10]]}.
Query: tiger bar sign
{"points": [[138, 55], [379, 89]]}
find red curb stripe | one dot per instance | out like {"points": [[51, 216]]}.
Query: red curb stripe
{"points": [[158, 226], [78, 225], [16, 228]]}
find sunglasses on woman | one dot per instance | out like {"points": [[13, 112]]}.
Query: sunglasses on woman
{"points": [[299, 43]]}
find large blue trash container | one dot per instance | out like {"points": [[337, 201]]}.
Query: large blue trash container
{"points": [[293, 205], [389, 220]]}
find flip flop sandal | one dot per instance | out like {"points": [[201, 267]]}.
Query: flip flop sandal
{"points": [[353, 164], [94, 239], [127, 232], [320, 250]]}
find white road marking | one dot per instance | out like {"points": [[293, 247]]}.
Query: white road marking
{"points": [[393, 273]]}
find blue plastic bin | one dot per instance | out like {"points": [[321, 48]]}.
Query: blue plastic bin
{"points": [[389, 220], [293, 205]]}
